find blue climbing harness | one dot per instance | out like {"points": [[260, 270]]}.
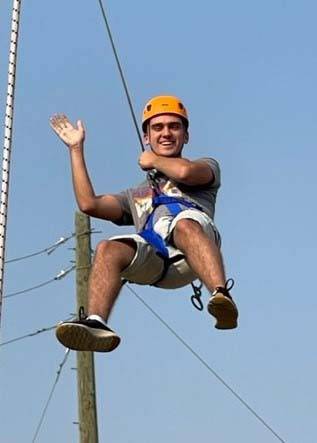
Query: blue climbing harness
{"points": [[174, 207]]}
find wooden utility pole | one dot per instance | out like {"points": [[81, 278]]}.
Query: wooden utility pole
{"points": [[88, 428]]}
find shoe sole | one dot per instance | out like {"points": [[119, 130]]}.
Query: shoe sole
{"points": [[225, 312], [82, 338]]}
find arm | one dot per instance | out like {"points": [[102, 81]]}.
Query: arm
{"points": [[101, 206], [191, 173]]}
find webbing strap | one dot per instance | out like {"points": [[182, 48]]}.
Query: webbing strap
{"points": [[163, 199], [174, 207], [155, 240], [152, 237]]}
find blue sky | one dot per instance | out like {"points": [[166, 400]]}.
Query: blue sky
{"points": [[246, 71]]}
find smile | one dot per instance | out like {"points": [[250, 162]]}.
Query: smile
{"points": [[167, 143]]}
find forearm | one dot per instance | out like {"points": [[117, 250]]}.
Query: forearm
{"points": [[107, 207], [83, 188], [181, 170], [175, 168]]}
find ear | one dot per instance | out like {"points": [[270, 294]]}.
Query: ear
{"points": [[186, 138], [146, 139]]}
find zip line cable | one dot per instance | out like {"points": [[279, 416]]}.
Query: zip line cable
{"points": [[59, 371], [203, 362], [8, 138], [32, 334], [59, 276], [139, 298], [125, 86]]}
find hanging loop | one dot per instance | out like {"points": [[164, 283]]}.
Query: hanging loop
{"points": [[196, 297]]}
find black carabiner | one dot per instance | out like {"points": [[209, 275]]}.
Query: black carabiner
{"points": [[196, 301], [196, 297]]}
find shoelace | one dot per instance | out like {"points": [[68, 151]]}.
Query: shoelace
{"points": [[81, 313], [224, 290]]}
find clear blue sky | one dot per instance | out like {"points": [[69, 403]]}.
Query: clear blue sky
{"points": [[247, 73]]}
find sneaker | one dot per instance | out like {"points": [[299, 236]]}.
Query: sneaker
{"points": [[87, 335], [223, 308]]}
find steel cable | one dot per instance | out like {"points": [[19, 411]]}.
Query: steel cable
{"points": [[121, 73], [59, 371], [59, 276], [204, 363], [136, 295], [33, 334]]}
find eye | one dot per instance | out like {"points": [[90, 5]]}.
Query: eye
{"points": [[175, 126], [158, 127]]}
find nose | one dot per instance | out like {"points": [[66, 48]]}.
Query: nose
{"points": [[166, 132]]}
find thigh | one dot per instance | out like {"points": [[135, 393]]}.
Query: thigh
{"points": [[204, 221], [146, 266], [180, 274]]}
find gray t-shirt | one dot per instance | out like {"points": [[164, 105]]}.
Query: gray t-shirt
{"points": [[136, 202]]}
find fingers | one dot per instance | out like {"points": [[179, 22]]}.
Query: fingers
{"points": [[80, 125], [59, 122], [69, 134]]}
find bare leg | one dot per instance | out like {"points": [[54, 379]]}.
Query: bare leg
{"points": [[90, 333], [204, 257], [201, 252], [111, 258]]}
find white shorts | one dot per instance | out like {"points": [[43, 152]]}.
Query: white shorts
{"points": [[147, 267]]}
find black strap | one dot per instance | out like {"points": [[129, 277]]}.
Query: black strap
{"points": [[167, 262]]}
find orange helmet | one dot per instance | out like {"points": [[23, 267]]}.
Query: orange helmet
{"points": [[164, 104]]}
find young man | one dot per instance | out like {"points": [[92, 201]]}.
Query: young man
{"points": [[177, 240]]}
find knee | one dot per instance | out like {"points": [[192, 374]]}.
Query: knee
{"points": [[103, 247], [115, 251], [186, 227]]}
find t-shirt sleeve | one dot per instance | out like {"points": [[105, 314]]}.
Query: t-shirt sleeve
{"points": [[214, 165], [126, 219]]}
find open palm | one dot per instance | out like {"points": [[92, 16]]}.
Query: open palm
{"points": [[68, 133]]}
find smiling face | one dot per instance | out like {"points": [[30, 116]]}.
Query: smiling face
{"points": [[167, 135]]}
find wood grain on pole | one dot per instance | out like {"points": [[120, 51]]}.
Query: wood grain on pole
{"points": [[88, 428]]}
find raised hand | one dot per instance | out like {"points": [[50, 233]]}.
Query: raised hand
{"points": [[72, 136]]}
